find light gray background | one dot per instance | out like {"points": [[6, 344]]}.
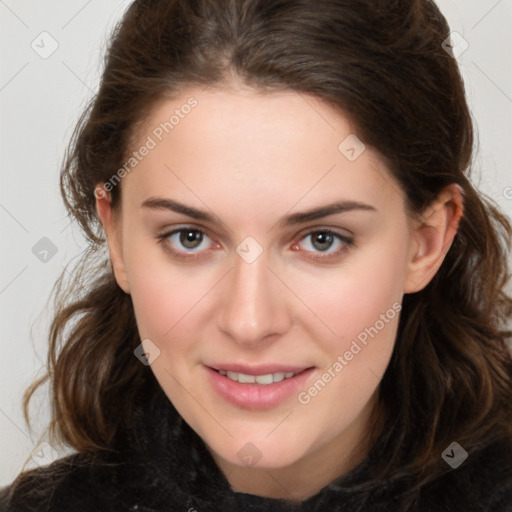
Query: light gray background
{"points": [[40, 100]]}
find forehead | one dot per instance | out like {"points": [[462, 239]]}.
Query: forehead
{"points": [[252, 148]]}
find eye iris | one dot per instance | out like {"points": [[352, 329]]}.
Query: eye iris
{"points": [[322, 241], [191, 239]]}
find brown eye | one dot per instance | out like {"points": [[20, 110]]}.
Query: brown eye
{"points": [[190, 238], [324, 245], [322, 240], [188, 241]]}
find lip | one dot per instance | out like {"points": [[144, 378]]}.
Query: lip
{"points": [[257, 396]]}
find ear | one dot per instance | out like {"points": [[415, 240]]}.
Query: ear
{"points": [[112, 227], [432, 237]]}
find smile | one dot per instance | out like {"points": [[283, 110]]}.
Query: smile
{"points": [[257, 389], [268, 378]]}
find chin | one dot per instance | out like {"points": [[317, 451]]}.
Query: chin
{"points": [[260, 453]]}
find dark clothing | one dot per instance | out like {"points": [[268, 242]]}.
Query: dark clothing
{"points": [[166, 467]]}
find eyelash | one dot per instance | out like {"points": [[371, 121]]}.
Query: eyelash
{"points": [[332, 256], [180, 255], [319, 257]]}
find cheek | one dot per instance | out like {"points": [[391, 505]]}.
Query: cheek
{"points": [[351, 298], [356, 318], [363, 313], [162, 293], [164, 302]]}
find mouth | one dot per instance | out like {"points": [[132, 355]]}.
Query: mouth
{"points": [[261, 387], [265, 379]]}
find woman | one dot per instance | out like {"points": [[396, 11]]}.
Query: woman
{"points": [[302, 306]]}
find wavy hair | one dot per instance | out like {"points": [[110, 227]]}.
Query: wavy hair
{"points": [[380, 62]]}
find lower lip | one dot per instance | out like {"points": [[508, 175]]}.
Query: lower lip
{"points": [[257, 396]]}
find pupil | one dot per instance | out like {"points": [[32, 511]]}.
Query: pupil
{"points": [[191, 239], [323, 241]]}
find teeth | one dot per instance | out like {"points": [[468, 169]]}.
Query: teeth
{"points": [[232, 376], [245, 379], [269, 378], [264, 379]]}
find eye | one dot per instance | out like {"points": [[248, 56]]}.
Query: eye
{"points": [[324, 244], [321, 240], [188, 239], [185, 242]]}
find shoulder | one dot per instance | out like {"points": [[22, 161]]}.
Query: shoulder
{"points": [[35, 489], [76, 483], [482, 483]]}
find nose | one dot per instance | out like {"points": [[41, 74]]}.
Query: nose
{"points": [[254, 305]]}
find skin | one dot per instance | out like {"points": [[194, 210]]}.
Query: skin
{"points": [[251, 159]]}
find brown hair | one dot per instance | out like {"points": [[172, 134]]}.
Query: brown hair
{"points": [[382, 63]]}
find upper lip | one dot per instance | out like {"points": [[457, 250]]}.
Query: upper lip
{"points": [[259, 369]]}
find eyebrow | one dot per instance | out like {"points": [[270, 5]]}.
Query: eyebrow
{"points": [[155, 203]]}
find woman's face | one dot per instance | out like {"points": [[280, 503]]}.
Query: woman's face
{"points": [[259, 239]]}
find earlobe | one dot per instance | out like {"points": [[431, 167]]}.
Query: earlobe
{"points": [[112, 228], [432, 238]]}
